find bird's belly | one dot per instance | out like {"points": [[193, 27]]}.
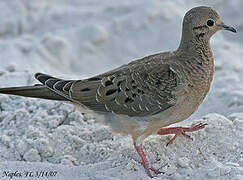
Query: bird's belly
{"points": [[121, 124], [124, 124]]}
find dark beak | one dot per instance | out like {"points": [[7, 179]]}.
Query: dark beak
{"points": [[228, 28]]}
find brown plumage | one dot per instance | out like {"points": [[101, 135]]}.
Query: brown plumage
{"points": [[148, 94]]}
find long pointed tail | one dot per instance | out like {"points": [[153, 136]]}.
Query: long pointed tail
{"points": [[37, 91]]}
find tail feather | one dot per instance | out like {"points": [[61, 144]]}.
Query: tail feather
{"points": [[38, 91]]}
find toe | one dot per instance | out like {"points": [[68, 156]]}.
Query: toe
{"points": [[156, 171]]}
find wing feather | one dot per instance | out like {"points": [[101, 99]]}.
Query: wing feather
{"points": [[142, 88], [137, 90]]}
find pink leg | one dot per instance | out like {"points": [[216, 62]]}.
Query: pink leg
{"points": [[179, 131], [146, 164]]}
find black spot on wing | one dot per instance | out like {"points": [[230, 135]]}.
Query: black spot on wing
{"points": [[110, 92], [119, 83], [85, 89], [108, 83], [94, 79], [140, 91], [129, 100]]}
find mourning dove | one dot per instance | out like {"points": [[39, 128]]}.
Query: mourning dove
{"points": [[143, 97]]}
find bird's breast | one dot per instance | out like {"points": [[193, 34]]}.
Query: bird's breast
{"points": [[199, 78]]}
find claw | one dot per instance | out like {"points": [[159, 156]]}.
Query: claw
{"points": [[156, 171], [173, 130], [180, 131], [146, 164]]}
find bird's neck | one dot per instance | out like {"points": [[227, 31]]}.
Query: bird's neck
{"points": [[193, 42], [197, 48], [197, 60]]}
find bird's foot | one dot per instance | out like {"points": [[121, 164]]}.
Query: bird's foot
{"points": [[146, 164], [180, 131]]}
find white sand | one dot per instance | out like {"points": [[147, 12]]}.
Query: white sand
{"points": [[76, 39]]}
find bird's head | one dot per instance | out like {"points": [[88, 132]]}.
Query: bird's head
{"points": [[202, 22]]}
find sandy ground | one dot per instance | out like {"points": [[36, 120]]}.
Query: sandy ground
{"points": [[76, 39]]}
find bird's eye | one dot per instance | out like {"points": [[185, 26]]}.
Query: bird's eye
{"points": [[210, 22]]}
